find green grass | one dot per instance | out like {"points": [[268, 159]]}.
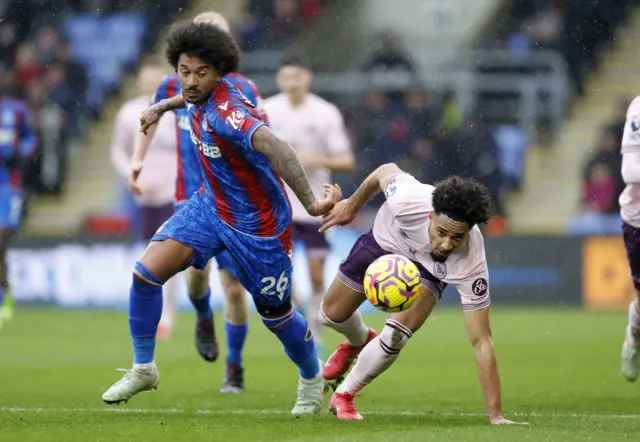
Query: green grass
{"points": [[560, 372]]}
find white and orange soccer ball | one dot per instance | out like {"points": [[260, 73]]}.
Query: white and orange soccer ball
{"points": [[392, 283]]}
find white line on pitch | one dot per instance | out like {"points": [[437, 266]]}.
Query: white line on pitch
{"points": [[274, 412]]}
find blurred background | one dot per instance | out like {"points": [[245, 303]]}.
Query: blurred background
{"points": [[527, 96]]}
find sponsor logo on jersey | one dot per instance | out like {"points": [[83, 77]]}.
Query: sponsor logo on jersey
{"points": [[236, 119], [208, 150], [480, 287]]}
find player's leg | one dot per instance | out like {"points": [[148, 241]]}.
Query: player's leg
{"points": [[317, 252], [630, 358], [151, 218], [6, 303], [11, 210], [265, 269], [379, 354], [200, 297], [339, 309], [236, 318], [186, 239]]}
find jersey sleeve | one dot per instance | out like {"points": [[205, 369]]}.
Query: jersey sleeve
{"points": [[631, 135], [169, 87], [235, 125], [406, 199], [28, 139], [336, 140], [474, 290]]}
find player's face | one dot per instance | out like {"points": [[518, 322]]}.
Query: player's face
{"points": [[446, 235], [294, 80], [197, 78]]}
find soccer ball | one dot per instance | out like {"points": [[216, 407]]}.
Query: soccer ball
{"points": [[392, 283]]}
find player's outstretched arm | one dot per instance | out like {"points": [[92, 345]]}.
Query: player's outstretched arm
{"points": [[153, 113], [285, 162], [345, 211], [479, 330]]}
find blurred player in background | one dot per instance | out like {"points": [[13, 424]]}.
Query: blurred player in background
{"points": [[435, 227], [242, 208], [630, 212], [17, 142], [156, 185], [189, 181], [315, 129]]}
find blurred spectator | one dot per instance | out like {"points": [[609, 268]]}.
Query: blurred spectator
{"points": [[388, 56], [608, 156], [547, 26], [513, 143], [283, 25], [599, 189], [27, 68]]}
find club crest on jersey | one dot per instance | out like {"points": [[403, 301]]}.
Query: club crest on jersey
{"points": [[440, 270], [480, 287], [236, 118]]}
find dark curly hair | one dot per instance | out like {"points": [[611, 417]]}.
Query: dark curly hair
{"points": [[464, 200], [205, 41]]}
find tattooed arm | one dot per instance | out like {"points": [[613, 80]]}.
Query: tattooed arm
{"points": [[286, 164], [153, 113]]}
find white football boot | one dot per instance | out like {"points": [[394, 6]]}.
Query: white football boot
{"points": [[310, 395], [630, 362], [139, 378]]}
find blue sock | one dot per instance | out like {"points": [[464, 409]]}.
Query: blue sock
{"points": [[293, 331], [236, 334], [145, 309], [2, 296], [202, 306]]}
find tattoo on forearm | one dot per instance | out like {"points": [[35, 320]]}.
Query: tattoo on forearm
{"points": [[286, 163]]}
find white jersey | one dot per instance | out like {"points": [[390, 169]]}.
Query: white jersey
{"points": [[315, 128], [630, 197], [402, 227]]}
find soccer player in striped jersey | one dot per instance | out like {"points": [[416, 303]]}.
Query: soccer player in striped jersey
{"points": [[189, 180], [17, 141], [242, 208]]}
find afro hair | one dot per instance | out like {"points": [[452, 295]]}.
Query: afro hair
{"points": [[464, 200], [205, 41]]}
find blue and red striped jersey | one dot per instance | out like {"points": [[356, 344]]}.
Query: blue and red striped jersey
{"points": [[17, 140], [242, 186], [189, 178]]}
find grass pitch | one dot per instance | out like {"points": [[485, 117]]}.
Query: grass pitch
{"points": [[559, 368]]}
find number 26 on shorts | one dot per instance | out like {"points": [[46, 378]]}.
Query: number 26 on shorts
{"points": [[272, 287]]}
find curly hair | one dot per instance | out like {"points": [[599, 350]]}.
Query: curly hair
{"points": [[464, 200], [205, 41]]}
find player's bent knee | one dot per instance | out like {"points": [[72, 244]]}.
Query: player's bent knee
{"points": [[394, 337], [273, 313], [340, 302], [142, 272]]}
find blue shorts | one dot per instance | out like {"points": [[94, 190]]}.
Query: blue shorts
{"points": [[262, 265], [223, 259], [10, 207]]}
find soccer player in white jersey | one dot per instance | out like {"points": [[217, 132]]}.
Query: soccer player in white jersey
{"points": [[630, 212], [315, 129], [435, 227]]}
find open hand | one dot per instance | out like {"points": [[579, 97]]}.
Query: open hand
{"points": [[331, 194]]}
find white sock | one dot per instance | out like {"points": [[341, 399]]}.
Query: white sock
{"points": [[353, 328], [633, 327], [376, 357], [313, 313]]}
